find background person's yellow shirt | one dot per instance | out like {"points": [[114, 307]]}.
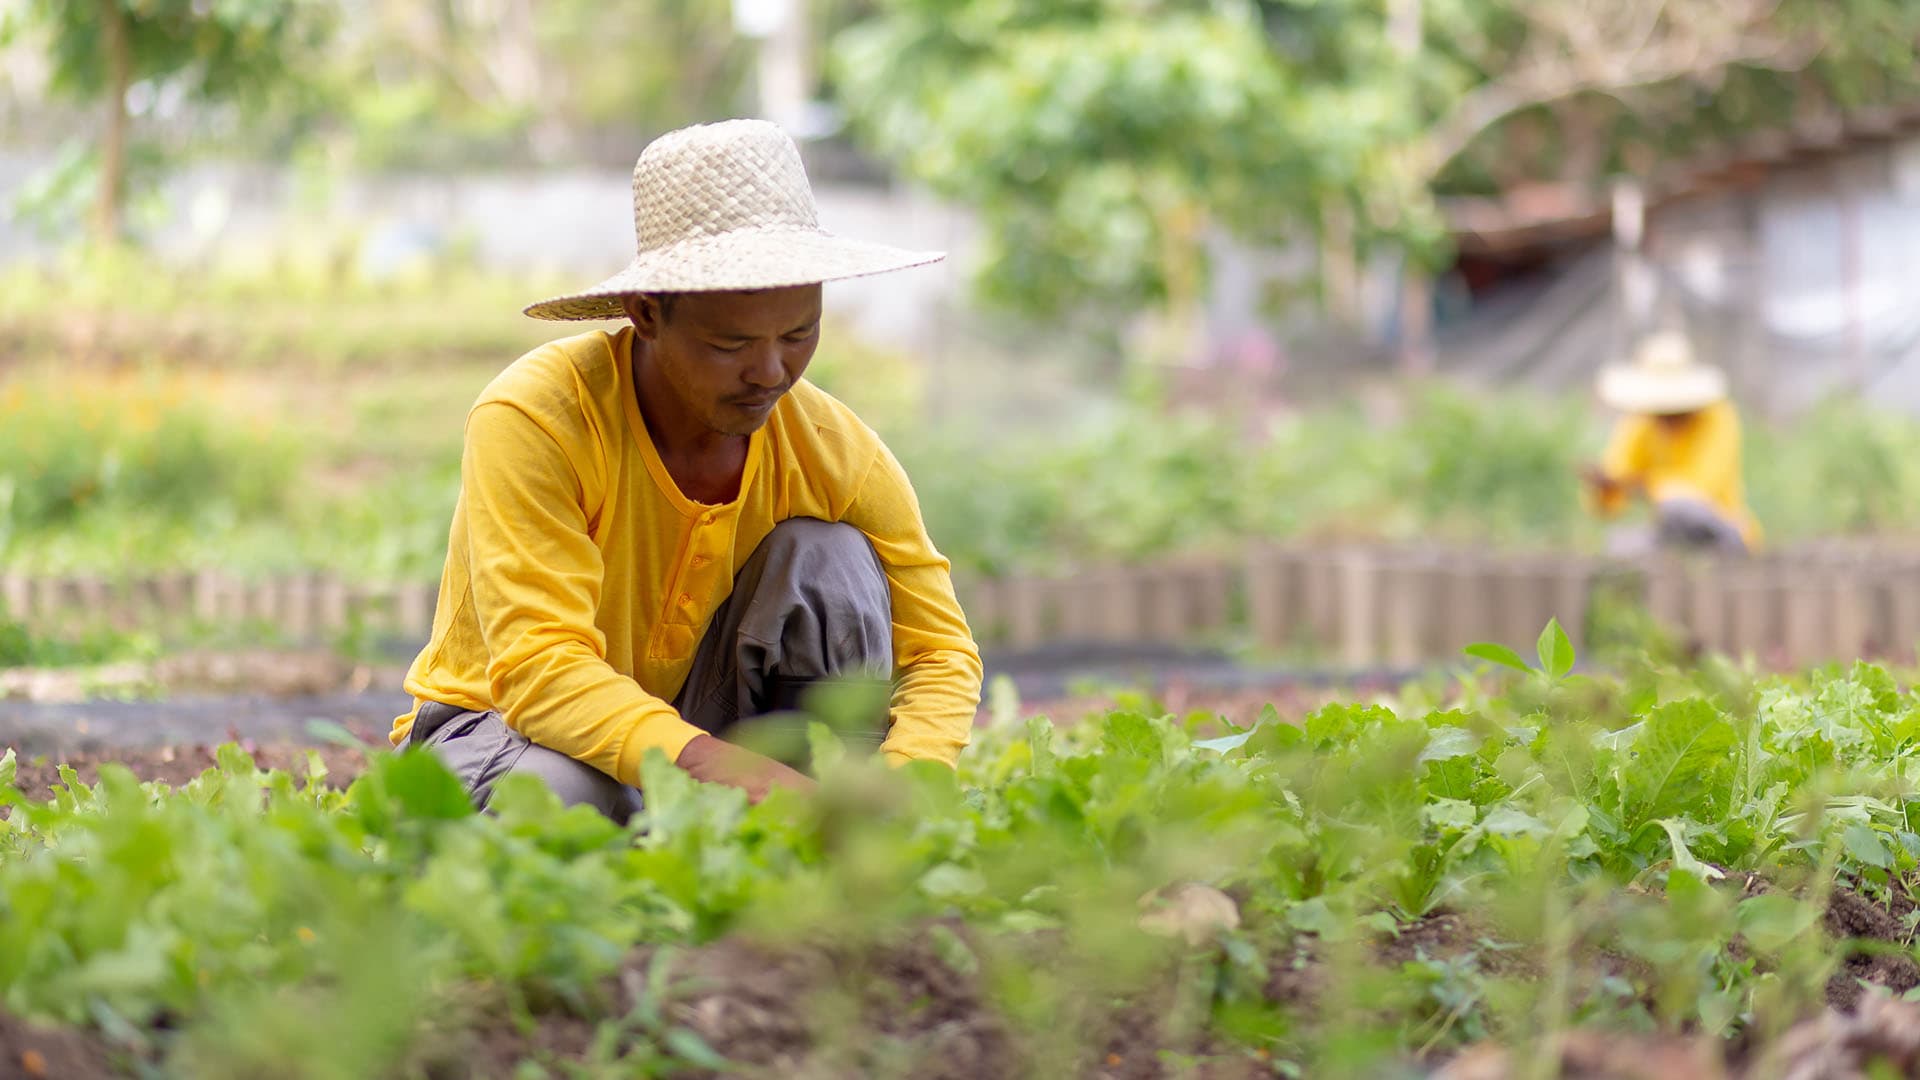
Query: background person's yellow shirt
{"points": [[1698, 458], [579, 579]]}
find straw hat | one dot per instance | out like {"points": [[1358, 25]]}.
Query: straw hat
{"points": [[726, 206], [1663, 378]]}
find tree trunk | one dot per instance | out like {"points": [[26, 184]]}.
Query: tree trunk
{"points": [[113, 149]]}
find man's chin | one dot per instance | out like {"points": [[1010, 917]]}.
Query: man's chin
{"points": [[739, 426], [743, 419]]}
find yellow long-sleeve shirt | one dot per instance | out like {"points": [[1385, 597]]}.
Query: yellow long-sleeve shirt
{"points": [[579, 580], [1698, 458]]}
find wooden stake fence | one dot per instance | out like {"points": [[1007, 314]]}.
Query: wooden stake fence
{"points": [[1354, 606]]}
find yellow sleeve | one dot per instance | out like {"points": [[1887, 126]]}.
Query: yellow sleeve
{"points": [[937, 686], [1711, 467], [537, 576], [1625, 463]]}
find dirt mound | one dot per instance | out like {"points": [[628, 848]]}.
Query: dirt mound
{"points": [[1851, 915], [1593, 1055], [915, 1006], [35, 1052], [495, 1050], [1880, 1039], [898, 1009], [175, 765]]}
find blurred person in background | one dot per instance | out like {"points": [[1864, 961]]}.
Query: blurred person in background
{"points": [[1677, 443], [665, 535]]}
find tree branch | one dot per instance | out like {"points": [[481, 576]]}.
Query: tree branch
{"points": [[1544, 82]]}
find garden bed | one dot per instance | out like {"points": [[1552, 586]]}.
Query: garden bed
{"points": [[1679, 873]]}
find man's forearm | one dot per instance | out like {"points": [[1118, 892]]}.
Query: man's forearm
{"points": [[935, 702]]}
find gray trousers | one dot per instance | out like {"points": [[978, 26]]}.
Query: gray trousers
{"points": [[1679, 525], [810, 604]]}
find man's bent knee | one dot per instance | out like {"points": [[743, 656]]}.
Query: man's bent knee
{"points": [[813, 539], [577, 783]]}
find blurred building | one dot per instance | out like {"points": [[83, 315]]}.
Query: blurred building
{"points": [[1792, 256]]}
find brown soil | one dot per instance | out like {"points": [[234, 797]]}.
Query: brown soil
{"points": [[889, 1011], [495, 1050], [175, 765], [1138, 1034], [1442, 936], [1295, 981], [895, 1009], [1298, 980], [33, 1052], [1881, 1039], [1593, 1055], [1851, 915]]}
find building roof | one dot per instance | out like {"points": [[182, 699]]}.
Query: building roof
{"points": [[1536, 216]]}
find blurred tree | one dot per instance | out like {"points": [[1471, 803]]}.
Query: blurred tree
{"points": [[1101, 140], [435, 85], [458, 81], [678, 62], [217, 52]]}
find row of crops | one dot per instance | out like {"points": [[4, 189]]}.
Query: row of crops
{"points": [[1487, 872]]}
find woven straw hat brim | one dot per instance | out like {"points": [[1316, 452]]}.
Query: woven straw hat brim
{"points": [[1633, 389], [734, 261]]}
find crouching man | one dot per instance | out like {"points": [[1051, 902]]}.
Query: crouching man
{"points": [[663, 530]]}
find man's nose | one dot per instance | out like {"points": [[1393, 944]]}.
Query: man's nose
{"points": [[764, 369]]}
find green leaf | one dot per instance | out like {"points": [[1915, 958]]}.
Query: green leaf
{"points": [[1342, 723], [523, 797], [1452, 778], [1040, 744], [952, 949], [1003, 700], [1864, 844], [234, 761], [1683, 857], [1772, 920], [1382, 923], [9, 768], [1555, 649], [422, 786], [1447, 743], [1029, 922], [1679, 765], [1568, 756], [1275, 740], [1497, 654], [1455, 814], [950, 881], [1131, 735], [1574, 823], [1225, 742], [689, 1048], [1507, 821], [825, 751], [1315, 916]]}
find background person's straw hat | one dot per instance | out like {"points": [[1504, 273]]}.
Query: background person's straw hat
{"points": [[1662, 379], [721, 207]]}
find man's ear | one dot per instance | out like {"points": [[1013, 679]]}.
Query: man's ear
{"points": [[644, 312]]}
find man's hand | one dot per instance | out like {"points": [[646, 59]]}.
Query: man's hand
{"points": [[717, 762]]}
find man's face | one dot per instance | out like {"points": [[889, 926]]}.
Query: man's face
{"points": [[730, 356]]}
